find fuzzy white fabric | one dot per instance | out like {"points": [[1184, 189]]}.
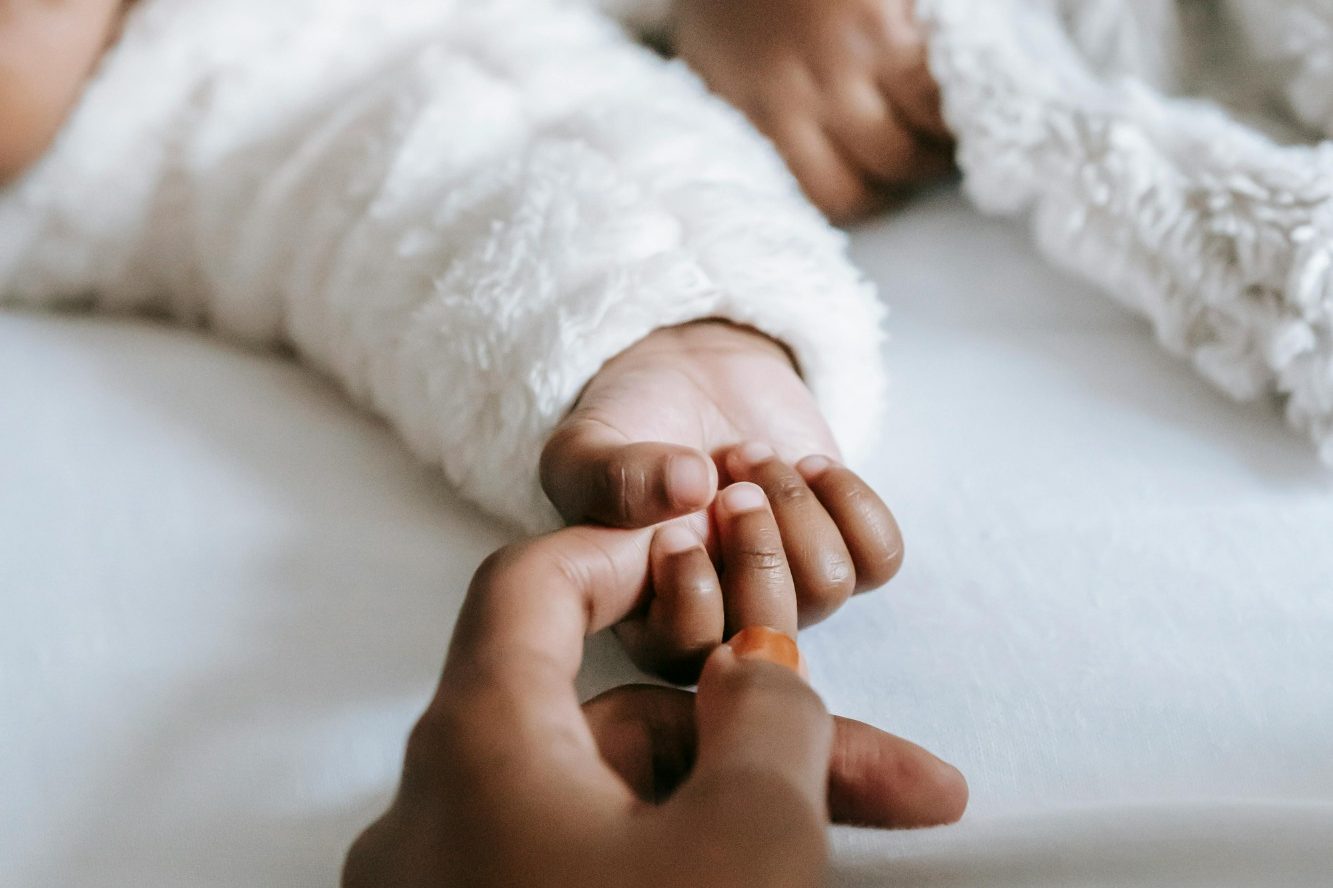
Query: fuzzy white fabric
{"points": [[1185, 209], [458, 209], [1119, 628]]}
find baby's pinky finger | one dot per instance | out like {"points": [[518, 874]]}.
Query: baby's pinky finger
{"points": [[868, 527]]}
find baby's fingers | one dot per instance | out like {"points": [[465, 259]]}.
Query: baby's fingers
{"points": [[868, 527], [756, 579], [821, 565]]}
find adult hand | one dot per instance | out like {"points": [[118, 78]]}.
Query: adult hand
{"points": [[509, 781]]}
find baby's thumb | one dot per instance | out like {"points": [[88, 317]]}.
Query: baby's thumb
{"points": [[591, 473], [761, 772]]}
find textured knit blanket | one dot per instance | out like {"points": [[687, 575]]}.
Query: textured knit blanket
{"points": [[1174, 153]]}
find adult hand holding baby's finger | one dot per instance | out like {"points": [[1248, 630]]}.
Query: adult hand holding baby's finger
{"points": [[507, 782], [648, 735], [715, 403]]}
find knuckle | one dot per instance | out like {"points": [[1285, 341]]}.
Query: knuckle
{"points": [[859, 500], [838, 575], [765, 558], [432, 744], [617, 480], [496, 566], [573, 571], [697, 588], [631, 487], [832, 582], [787, 490]]}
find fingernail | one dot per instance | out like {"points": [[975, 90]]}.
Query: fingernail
{"points": [[813, 466], [676, 538], [754, 452], [763, 643], [743, 497], [689, 480]]}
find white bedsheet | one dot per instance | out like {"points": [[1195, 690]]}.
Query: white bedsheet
{"points": [[224, 595]]}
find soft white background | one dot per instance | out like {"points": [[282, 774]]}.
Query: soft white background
{"points": [[225, 595]]}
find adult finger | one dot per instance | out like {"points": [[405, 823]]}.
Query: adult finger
{"points": [[503, 748], [593, 473], [867, 526], [821, 566], [507, 692], [761, 766], [756, 580], [647, 735]]}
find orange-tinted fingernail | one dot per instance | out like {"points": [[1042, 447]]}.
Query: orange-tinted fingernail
{"points": [[763, 643]]}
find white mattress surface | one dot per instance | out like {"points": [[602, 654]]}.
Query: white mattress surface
{"points": [[225, 594]]}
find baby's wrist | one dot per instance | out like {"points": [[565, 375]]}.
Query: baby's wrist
{"points": [[720, 332]]}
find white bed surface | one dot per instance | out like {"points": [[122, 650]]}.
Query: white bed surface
{"points": [[226, 595]]}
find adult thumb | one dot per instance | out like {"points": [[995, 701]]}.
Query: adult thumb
{"points": [[760, 776]]}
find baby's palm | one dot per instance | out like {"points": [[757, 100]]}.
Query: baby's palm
{"points": [[643, 443]]}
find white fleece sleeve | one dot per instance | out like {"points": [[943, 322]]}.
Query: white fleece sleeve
{"points": [[458, 209], [639, 15]]}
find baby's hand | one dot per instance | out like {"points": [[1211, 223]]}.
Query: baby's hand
{"points": [[653, 437], [841, 87], [794, 544]]}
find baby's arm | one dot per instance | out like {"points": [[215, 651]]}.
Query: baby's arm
{"points": [[840, 86], [458, 217], [46, 51]]}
